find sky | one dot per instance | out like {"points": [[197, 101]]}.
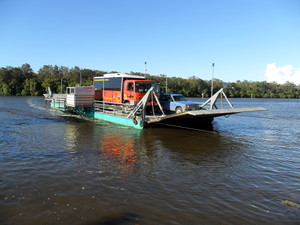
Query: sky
{"points": [[254, 40]]}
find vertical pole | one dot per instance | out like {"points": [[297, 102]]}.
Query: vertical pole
{"points": [[145, 69], [103, 95], [166, 85], [61, 85], [80, 78], [212, 80]]}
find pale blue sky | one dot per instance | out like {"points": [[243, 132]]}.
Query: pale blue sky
{"points": [[176, 37]]}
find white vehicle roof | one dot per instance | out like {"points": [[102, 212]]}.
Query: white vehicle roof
{"points": [[172, 94], [122, 75]]}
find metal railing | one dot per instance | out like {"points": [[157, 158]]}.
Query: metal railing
{"points": [[59, 102], [213, 99]]}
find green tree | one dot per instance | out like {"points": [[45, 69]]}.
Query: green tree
{"points": [[32, 87], [24, 81]]}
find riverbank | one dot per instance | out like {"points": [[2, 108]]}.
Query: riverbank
{"points": [[23, 81]]}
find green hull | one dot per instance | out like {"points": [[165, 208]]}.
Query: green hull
{"points": [[57, 106], [88, 112], [119, 120]]}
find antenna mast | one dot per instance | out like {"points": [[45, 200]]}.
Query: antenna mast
{"points": [[212, 79], [145, 69]]}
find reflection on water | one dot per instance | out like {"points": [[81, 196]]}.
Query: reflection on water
{"points": [[115, 144], [58, 169], [71, 135], [120, 146]]}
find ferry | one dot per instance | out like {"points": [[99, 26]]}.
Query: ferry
{"points": [[133, 101]]}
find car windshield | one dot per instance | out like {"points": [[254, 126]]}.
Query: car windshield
{"points": [[179, 98], [145, 86]]}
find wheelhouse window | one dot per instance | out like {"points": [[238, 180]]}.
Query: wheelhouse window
{"points": [[70, 90]]}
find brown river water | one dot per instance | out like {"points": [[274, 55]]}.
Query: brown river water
{"points": [[61, 169]]}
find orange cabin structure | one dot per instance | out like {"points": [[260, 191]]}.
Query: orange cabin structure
{"points": [[122, 88]]}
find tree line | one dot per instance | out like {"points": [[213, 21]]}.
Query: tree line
{"points": [[23, 81]]}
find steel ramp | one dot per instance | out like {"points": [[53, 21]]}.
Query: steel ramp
{"points": [[202, 113]]}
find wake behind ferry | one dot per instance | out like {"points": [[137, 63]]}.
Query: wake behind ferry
{"points": [[136, 102]]}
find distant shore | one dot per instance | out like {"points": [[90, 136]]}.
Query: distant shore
{"points": [[23, 81]]}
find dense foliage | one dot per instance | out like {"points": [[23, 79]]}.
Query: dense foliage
{"points": [[24, 81]]}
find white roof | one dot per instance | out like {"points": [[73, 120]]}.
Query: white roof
{"points": [[122, 75]]}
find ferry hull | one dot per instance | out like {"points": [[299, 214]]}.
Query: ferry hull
{"points": [[89, 112], [119, 120], [198, 118]]}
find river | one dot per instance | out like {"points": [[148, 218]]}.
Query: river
{"points": [[60, 169]]}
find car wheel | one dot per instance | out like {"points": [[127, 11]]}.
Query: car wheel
{"points": [[178, 110]]}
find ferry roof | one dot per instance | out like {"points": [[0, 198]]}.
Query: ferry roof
{"points": [[121, 75]]}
